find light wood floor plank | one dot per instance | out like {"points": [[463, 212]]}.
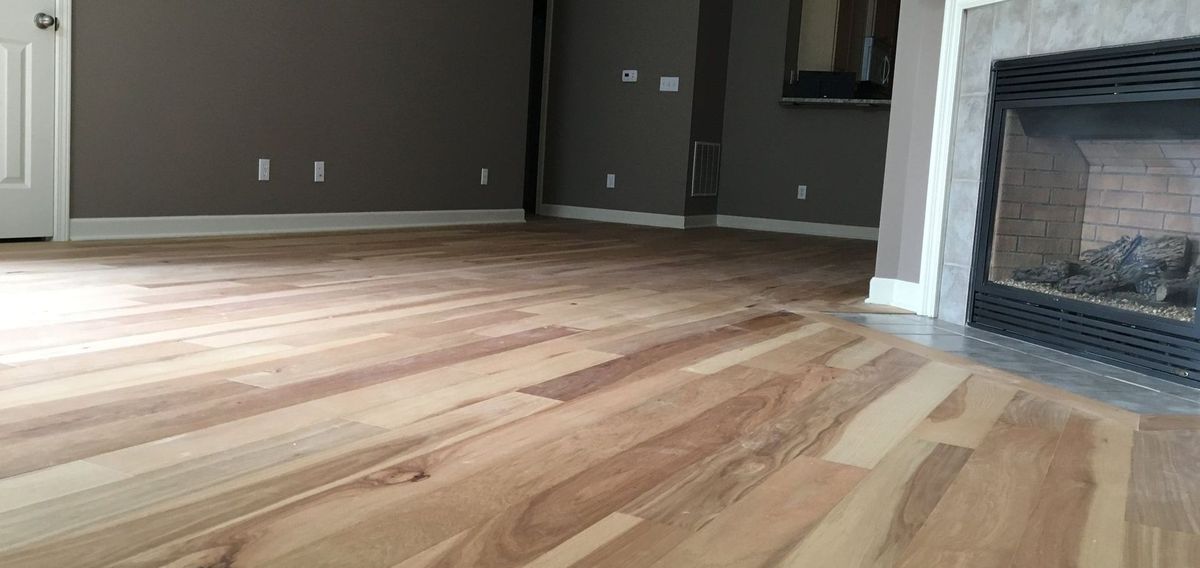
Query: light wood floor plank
{"points": [[980, 520], [875, 430], [875, 524], [968, 414], [1078, 518], [1165, 490], [54, 482], [762, 527], [1152, 547], [586, 542], [820, 403]]}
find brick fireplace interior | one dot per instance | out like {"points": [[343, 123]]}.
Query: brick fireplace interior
{"points": [[1060, 196], [1067, 188]]}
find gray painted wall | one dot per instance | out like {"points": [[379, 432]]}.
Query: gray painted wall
{"points": [[405, 100], [770, 149], [910, 138], [598, 125]]}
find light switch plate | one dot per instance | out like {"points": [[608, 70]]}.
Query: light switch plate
{"points": [[319, 172], [264, 169], [611, 181], [668, 84], [483, 176], [629, 76], [802, 192]]}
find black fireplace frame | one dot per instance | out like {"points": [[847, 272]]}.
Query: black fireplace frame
{"points": [[1160, 71]]}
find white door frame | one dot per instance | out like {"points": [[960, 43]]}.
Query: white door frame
{"points": [[62, 121], [939, 157]]}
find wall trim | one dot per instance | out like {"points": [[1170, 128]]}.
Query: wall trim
{"points": [[613, 216], [798, 227], [939, 156], [897, 293], [222, 225], [62, 121], [700, 221]]}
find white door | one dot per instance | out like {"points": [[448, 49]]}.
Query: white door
{"points": [[26, 120]]}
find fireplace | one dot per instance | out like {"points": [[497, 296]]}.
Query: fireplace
{"points": [[1088, 237]]}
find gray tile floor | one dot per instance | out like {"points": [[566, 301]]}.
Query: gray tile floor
{"points": [[1116, 386]]}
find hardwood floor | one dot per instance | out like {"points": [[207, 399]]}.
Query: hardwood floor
{"points": [[550, 395]]}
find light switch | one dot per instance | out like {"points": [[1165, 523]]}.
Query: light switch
{"points": [[611, 181], [668, 84], [264, 169], [629, 76], [319, 172]]}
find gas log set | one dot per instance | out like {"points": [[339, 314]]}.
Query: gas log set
{"points": [[1156, 272]]}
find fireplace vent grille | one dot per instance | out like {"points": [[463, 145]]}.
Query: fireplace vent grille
{"points": [[1149, 350], [1168, 66]]}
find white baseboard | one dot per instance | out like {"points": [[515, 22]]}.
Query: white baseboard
{"points": [[613, 216], [896, 293], [700, 221], [219, 225], [798, 227]]}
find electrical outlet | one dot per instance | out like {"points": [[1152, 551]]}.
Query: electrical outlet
{"points": [[629, 76], [668, 84], [483, 176], [611, 182], [802, 192], [319, 172], [264, 169]]}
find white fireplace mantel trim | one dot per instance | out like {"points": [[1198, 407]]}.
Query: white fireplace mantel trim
{"points": [[939, 158]]}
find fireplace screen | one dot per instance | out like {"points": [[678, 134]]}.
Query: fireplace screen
{"points": [[1101, 203]]}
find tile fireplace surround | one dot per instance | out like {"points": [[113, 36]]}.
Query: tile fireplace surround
{"points": [[1014, 28]]}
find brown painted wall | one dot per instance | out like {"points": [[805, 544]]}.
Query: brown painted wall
{"points": [[712, 72], [405, 100], [770, 149], [598, 125]]}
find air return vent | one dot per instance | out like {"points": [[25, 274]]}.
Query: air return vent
{"points": [[706, 169]]}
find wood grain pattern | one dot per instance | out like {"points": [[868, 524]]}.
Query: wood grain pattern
{"points": [[874, 525], [980, 520], [553, 394], [758, 530], [1077, 521], [968, 414], [1152, 547], [586, 542], [643, 545], [1165, 489]]}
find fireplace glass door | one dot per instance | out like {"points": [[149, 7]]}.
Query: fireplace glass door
{"points": [[1099, 203]]}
